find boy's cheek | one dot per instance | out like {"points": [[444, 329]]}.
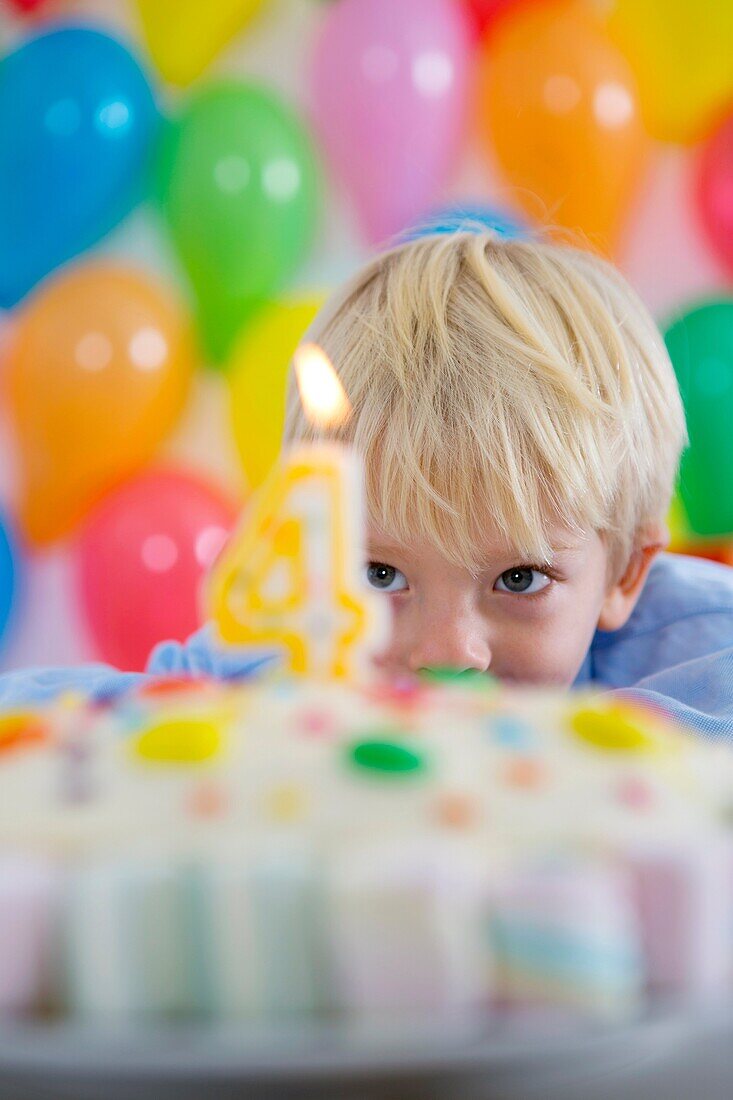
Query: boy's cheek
{"points": [[554, 649], [391, 655], [546, 648], [539, 654]]}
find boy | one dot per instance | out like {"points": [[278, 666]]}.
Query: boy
{"points": [[521, 428]]}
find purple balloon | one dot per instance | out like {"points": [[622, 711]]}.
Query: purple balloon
{"points": [[389, 88]]}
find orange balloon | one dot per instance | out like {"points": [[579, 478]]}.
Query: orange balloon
{"points": [[98, 369], [558, 106]]}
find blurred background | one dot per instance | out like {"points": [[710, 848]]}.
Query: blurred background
{"points": [[182, 183]]}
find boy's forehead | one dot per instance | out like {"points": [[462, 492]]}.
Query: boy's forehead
{"points": [[494, 545]]}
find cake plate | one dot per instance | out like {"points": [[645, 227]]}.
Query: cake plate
{"points": [[670, 1055]]}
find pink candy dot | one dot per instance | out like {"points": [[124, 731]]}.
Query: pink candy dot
{"points": [[319, 723], [405, 692], [635, 792]]}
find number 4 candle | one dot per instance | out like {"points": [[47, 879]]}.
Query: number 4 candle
{"points": [[291, 576]]}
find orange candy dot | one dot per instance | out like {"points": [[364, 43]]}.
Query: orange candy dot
{"points": [[207, 800], [172, 685], [524, 772], [21, 730], [457, 811]]}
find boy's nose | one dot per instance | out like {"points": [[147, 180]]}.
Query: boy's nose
{"points": [[459, 645]]}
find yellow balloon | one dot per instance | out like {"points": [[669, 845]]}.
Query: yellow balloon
{"points": [[679, 528], [184, 36], [682, 54], [683, 540], [258, 379]]}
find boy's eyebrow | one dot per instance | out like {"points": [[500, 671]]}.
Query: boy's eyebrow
{"points": [[377, 547], [380, 547], [508, 553]]}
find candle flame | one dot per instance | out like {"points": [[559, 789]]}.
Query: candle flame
{"points": [[324, 398]]}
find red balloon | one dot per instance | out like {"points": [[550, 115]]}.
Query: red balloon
{"points": [[715, 190], [141, 557], [486, 12], [27, 5]]}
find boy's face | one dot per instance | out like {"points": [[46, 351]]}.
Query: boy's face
{"points": [[523, 622]]}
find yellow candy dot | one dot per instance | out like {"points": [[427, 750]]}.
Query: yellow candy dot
{"points": [[613, 729], [287, 803], [180, 741], [71, 701]]}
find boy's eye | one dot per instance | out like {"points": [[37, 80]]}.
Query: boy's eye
{"points": [[523, 581], [385, 577]]}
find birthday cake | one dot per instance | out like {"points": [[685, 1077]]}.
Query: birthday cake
{"points": [[317, 842], [429, 846]]}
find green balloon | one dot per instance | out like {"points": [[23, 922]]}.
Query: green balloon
{"points": [[700, 344], [239, 186]]}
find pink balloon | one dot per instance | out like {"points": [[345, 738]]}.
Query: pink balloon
{"points": [[389, 88], [715, 191], [141, 557]]}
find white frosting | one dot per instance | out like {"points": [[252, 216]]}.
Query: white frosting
{"points": [[293, 846]]}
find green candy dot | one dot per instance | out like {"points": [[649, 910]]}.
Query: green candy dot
{"points": [[384, 756], [468, 677]]}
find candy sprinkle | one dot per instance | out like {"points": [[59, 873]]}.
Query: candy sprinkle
{"points": [[316, 723], [525, 772], [467, 677], [635, 792], [19, 729], [287, 803], [385, 756], [207, 800], [172, 685], [510, 732], [613, 729], [456, 811], [179, 741]]}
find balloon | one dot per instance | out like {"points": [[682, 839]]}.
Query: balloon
{"points": [[240, 192], [10, 571], [715, 191], [713, 551], [257, 380], [700, 344], [679, 528], [458, 218], [98, 369], [485, 13], [140, 559], [681, 54], [77, 128], [184, 36], [27, 5], [683, 540], [558, 108], [389, 85]]}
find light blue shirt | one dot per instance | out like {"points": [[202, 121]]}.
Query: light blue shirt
{"points": [[676, 650]]}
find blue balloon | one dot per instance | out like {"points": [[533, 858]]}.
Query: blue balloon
{"points": [[459, 217], [9, 576], [78, 123]]}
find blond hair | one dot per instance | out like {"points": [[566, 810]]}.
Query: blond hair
{"points": [[511, 381]]}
